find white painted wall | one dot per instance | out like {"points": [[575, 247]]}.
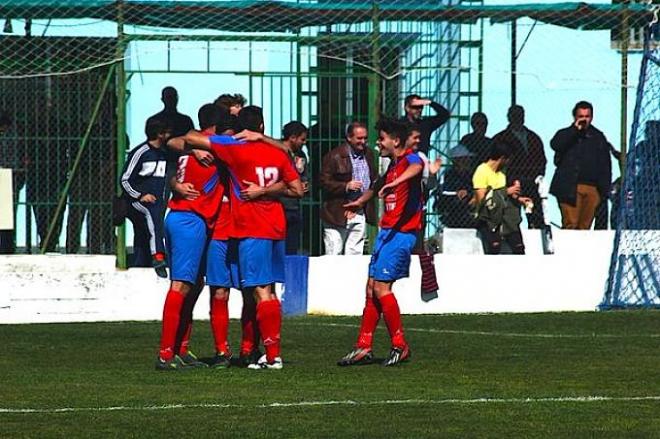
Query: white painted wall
{"points": [[61, 288]]}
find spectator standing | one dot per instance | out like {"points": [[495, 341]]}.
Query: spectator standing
{"points": [[143, 182], [477, 142], [454, 201], [527, 160], [179, 124], [294, 137], [347, 172], [413, 106], [584, 169]]}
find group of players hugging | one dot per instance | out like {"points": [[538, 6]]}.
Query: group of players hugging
{"points": [[226, 228]]}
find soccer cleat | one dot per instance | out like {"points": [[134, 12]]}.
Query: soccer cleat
{"points": [[160, 267], [191, 360], [263, 363], [245, 360], [396, 356], [174, 363], [222, 360], [357, 357]]}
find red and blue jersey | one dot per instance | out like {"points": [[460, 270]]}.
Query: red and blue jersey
{"points": [[211, 182], [404, 203], [259, 163]]}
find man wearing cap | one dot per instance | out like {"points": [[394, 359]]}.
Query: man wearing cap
{"points": [[454, 201]]}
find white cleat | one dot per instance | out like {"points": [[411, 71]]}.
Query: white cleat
{"points": [[262, 364]]}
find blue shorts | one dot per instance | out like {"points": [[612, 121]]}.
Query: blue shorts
{"points": [[391, 257], [261, 261], [186, 236], [222, 263]]}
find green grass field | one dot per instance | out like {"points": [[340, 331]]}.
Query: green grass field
{"points": [[539, 375]]}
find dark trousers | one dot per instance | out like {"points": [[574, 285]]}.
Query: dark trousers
{"points": [[492, 241], [293, 230], [148, 231]]}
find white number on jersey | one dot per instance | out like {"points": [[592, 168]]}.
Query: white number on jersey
{"points": [[181, 168], [267, 176]]}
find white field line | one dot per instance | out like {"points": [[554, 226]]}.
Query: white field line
{"points": [[488, 333], [348, 402]]}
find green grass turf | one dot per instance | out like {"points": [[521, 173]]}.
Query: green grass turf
{"points": [[111, 364]]}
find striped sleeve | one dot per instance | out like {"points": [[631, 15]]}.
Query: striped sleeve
{"points": [[131, 170]]}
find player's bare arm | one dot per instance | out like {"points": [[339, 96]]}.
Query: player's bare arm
{"points": [[253, 191], [411, 171], [254, 136]]}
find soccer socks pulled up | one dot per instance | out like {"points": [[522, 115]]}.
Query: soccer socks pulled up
{"points": [[249, 328], [171, 317], [220, 323], [370, 318], [269, 318], [392, 316]]}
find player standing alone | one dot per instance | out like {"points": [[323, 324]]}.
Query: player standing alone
{"points": [[402, 219]]}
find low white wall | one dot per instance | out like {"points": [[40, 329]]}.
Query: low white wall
{"points": [[573, 279], [63, 288]]}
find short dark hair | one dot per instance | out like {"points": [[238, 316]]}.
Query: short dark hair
{"points": [[154, 127], [209, 115], [412, 127], [394, 129], [583, 105], [293, 129], [410, 98], [498, 151], [228, 100], [476, 116], [352, 126], [229, 122], [251, 118]]}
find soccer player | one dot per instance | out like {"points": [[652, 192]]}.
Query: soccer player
{"points": [[199, 189], [402, 192], [259, 225], [143, 182]]}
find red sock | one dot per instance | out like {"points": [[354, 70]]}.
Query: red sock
{"points": [[159, 256], [370, 318], [392, 317], [249, 330], [220, 323], [269, 317], [185, 340], [171, 316]]}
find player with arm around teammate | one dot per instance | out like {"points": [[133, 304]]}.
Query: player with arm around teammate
{"points": [[402, 219], [258, 225]]}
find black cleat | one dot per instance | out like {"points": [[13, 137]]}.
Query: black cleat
{"points": [[245, 360], [173, 364], [222, 360], [357, 357], [396, 356], [191, 360], [160, 267]]}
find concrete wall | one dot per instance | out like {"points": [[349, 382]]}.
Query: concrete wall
{"points": [[62, 288]]}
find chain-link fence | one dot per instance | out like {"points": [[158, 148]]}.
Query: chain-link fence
{"points": [[74, 74]]}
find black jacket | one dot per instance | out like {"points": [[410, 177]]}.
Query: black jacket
{"points": [[569, 145], [428, 124]]}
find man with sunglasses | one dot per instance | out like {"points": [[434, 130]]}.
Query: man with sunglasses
{"points": [[413, 106]]}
